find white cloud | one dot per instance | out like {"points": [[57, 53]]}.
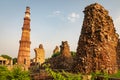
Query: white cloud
{"points": [[117, 20], [56, 12], [73, 17], [58, 15], [117, 24]]}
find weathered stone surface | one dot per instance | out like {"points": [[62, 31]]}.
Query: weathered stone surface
{"points": [[56, 50], [39, 54], [118, 53], [64, 60], [97, 43], [64, 49]]}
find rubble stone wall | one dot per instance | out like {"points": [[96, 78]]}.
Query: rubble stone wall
{"points": [[98, 42]]}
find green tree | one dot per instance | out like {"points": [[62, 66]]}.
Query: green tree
{"points": [[73, 53], [14, 61], [6, 56]]}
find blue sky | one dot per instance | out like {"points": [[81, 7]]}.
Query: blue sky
{"points": [[52, 21]]}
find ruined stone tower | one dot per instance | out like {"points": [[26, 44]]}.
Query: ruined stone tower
{"points": [[64, 60], [64, 49], [24, 48], [39, 54], [56, 50], [97, 43]]}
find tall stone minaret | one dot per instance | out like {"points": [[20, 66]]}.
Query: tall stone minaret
{"points": [[24, 48]]}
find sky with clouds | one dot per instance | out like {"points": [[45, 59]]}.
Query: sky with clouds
{"points": [[52, 21]]}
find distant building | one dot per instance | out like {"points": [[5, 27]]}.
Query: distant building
{"points": [[4, 61]]}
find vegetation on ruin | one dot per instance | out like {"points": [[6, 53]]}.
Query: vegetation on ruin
{"points": [[62, 75], [71, 76], [105, 75], [73, 53], [55, 54], [117, 75], [99, 74]]}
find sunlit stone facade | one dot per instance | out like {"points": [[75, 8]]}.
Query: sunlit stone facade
{"points": [[24, 48]]}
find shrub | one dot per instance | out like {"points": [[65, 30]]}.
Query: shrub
{"points": [[117, 75], [15, 74], [55, 54], [4, 73], [62, 75]]}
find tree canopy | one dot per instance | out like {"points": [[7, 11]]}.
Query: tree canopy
{"points": [[6, 56]]}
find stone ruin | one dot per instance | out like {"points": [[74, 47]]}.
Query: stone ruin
{"points": [[118, 54], [56, 50], [97, 43], [64, 60], [39, 54], [64, 49]]}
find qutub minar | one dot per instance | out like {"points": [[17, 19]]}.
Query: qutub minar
{"points": [[24, 48]]}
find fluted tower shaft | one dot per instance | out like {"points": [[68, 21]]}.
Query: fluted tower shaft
{"points": [[24, 48]]}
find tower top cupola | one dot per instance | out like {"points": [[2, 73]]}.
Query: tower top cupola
{"points": [[27, 12]]}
